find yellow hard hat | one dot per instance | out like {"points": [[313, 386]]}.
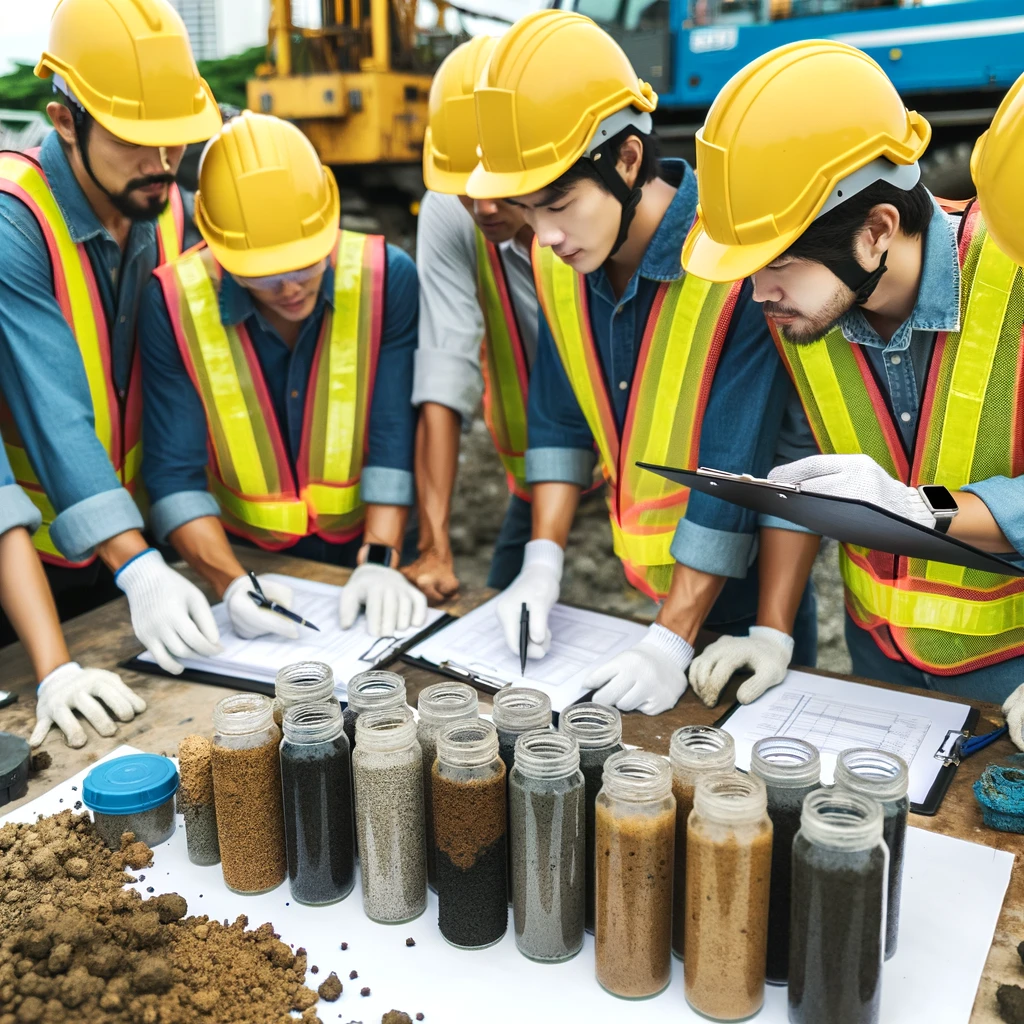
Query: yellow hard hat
{"points": [[548, 96], [449, 145], [129, 64], [997, 166], [265, 205], [779, 147]]}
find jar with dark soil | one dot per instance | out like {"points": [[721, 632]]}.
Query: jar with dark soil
{"points": [[547, 821], [247, 793], [883, 777], [438, 705], [305, 682], [316, 773], [195, 799], [387, 770], [694, 750], [470, 831], [790, 769], [728, 876], [837, 935], [376, 690], [597, 729], [635, 823]]}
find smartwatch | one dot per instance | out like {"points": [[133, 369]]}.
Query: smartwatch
{"points": [[383, 554], [941, 503]]}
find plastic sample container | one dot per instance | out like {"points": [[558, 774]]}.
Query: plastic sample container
{"points": [[134, 793]]}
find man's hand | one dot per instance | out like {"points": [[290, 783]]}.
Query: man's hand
{"points": [[248, 619], [650, 677], [1013, 708], [434, 574], [392, 603], [765, 651], [537, 586]]}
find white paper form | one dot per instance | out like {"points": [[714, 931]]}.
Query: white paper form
{"points": [[835, 715], [580, 641], [348, 651]]}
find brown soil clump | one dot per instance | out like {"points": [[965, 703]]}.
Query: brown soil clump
{"points": [[330, 988], [396, 1017], [76, 947]]}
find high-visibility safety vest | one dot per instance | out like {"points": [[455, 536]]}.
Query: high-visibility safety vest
{"points": [[683, 339], [503, 361], [117, 416], [250, 470], [943, 619]]}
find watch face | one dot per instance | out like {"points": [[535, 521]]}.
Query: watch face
{"points": [[939, 498], [378, 554]]}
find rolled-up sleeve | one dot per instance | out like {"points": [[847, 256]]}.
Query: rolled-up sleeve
{"points": [[387, 477], [47, 390], [451, 326], [1004, 497], [561, 446], [16, 509]]}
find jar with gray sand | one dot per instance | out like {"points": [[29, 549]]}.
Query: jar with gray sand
{"points": [[376, 690]]}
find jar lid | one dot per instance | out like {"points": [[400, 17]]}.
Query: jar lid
{"points": [[14, 764], [130, 784]]}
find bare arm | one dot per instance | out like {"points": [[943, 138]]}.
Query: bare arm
{"points": [[690, 598], [784, 566], [121, 548], [976, 525], [554, 508], [385, 524], [204, 545]]}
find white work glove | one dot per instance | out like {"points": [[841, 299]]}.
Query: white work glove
{"points": [[537, 586], [392, 602], [855, 476], [248, 619], [1013, 709], [170, 616], [71, 687], [765, 651], [650, 677]]}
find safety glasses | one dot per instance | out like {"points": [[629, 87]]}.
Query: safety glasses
{"points": [[275, 282]]}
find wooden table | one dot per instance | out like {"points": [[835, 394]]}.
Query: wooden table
{"points": [[104, 637]]}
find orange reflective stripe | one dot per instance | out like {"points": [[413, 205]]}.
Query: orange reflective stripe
{"points": [[504, 366]]}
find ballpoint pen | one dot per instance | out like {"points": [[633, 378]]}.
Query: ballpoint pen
{"points": [[524, 637], [264, 602]]}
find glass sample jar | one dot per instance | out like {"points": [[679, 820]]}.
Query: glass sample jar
{"points": [[728, 875], [547, 821], [134, 793], [837, 933], [438, 705], [195, 799], [316, 776], [635, 824], [247, 793], [305, 682], [376, 690], [790, 769], [518, 709], [694, 750], [883, 777], [470, 832], [387, 769], [597, 729]]}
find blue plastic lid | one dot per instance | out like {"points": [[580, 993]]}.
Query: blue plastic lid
{"points": [[130, 784]]}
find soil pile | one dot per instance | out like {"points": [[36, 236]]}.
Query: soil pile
{"points": [[77, 946]]}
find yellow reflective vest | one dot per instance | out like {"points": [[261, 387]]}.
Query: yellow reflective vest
{"points": [[249, 469]]}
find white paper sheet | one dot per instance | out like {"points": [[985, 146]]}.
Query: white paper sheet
{"points": [[581, 640], [348, 651], [835, 715], [952, 895]]}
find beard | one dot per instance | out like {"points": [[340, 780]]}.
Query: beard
{"points": [[806, 329], [141, 208]]}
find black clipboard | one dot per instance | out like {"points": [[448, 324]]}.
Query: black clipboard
{"points": [[845, 519], [948, 753]]}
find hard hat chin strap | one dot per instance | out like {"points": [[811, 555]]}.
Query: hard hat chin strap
{"points": [[629, 198], [860, 281]]}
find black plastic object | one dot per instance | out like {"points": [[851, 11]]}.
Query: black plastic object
{"points": [[14, 761]]}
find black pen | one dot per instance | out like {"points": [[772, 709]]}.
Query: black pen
{"points": [[264, 602], [524, 637]]}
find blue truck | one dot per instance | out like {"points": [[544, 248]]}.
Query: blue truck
{"points": [[952, 61]]}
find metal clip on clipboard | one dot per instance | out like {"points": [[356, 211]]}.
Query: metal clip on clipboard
{"points": [[478, 678]]}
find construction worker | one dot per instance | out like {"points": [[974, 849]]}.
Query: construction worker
{"points": [[900, 324], [478, 329], [83, 222], [277, 372], [627, 351]]}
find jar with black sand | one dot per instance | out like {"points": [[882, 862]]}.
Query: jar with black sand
{"points": [[837, 932], [883, 777], [790, 769], [597, 729], [470, 834], [316, 775], [305, 682]]}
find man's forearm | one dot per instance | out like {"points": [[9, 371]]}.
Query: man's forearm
{"points": [[437, 459], [385, 524], [785, 561], [975, 524], [121, 548], [204, 545], [691, 597], [554, 508]]}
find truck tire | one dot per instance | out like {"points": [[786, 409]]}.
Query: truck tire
{"points": [[946, 171]]}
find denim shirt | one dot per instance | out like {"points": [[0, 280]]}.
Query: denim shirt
{"points": [[43, 377], [901, 366], [175, 453], [15, 507], [739, 432]]}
